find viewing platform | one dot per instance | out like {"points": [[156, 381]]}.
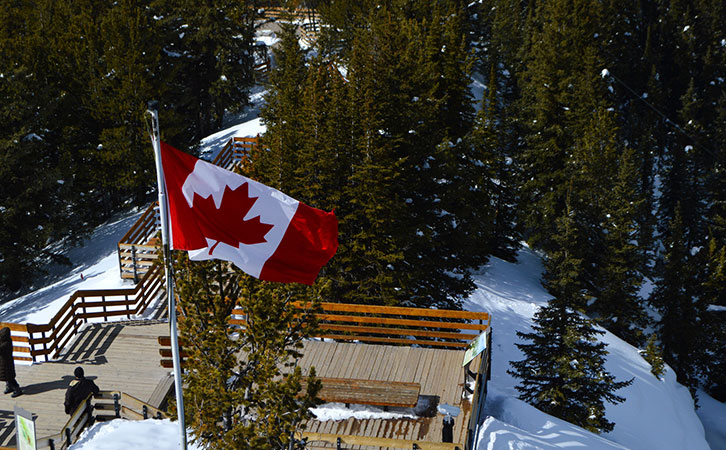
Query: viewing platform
{"points": [[119, 356]]}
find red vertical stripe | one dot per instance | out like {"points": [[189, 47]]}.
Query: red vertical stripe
{"points": [[310, 241]]}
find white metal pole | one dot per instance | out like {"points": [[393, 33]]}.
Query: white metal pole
{"points": [[164, 217]]}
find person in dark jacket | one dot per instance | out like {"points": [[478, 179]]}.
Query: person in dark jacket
{"points": [[80, 388], [7, 364]]}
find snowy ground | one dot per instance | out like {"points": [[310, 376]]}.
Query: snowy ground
{"points": [[658, 414]]}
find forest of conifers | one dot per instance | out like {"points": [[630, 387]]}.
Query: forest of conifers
{"points": [[599, 141]]}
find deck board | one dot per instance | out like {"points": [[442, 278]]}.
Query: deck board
{"points": [[438, 370], [116, 356]]}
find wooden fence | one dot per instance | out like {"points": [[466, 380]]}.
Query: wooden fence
{"points": [[381, 324], [307, 19], [394, 325], [235, 151], [301, 14], [44, 342], [137, 249]]}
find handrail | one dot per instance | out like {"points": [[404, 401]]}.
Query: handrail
{"points": [[47, 340], [235, 151], [369, 441], [137, 249], [123, 405], [390, 325], [394, 325]]}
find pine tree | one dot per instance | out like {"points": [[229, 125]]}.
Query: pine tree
{"points": [[654, 355], [282, 114], [121, 86], [674, 297], [208, 60], [243, 388], [381, 126], [609, 205], [495, 174], [561, 90], [563, 371], [620, 275], [714, 362]]}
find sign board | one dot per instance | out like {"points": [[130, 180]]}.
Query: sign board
{"points": [[477, 345], [24, 429]]}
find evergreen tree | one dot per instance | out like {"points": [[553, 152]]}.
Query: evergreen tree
{"points": [[118, 92], [207, 60], [36, 195], [714, 296], [608, 205], [620, 277], [563, 371], [282, 114], [242, 385], [674, 297], [495, 175], [380, 142], [561, 90], [654, 355]]}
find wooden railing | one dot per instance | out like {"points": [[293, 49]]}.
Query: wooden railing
{"points": [[137, 249], [369, 441], [44, 342], [235, 151], [483, 373], [302, 14], [381, 324], [106, 406], [397, 325], [308, 20]]}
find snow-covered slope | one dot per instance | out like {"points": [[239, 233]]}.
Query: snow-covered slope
{"points": [[658, 414]]}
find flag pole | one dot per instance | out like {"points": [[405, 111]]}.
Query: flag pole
{"points": [[164, 217]]}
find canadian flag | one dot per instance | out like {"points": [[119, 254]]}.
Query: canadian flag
{"points": [[218, 214]]}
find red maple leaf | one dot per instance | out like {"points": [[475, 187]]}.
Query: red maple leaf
{"points": [[227, 224]]}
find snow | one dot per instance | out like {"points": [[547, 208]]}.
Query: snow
{"points": [[120, 434], [213, 144], [713, 416], [338, 411], [266, 37], [94, 266], [657, 413]]}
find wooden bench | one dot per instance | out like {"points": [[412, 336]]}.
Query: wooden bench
{"points": [[369, 392]]}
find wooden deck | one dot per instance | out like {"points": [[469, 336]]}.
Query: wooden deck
{"points": [[116, 356], [438, 371]]}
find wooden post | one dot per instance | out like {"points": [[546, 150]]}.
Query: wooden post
{"points": [[133, 262], [116, 406], [83, 301], [45, 346]]}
